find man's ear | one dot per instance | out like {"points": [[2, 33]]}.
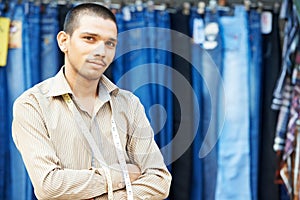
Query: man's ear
{"points": [[62, 38]]}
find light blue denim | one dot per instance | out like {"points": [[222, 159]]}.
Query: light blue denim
{"points": [[19, 183], [233, 178]]}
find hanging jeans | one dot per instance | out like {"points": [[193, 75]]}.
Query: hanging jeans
{"points": [[212, 65], [233, 179], [197, 28], [163, 78], [49, 49], [271, 66], [138, 56], [4, 134], [32, 44], [117, 67], [255, 96], [20, 186], [4, 165], [182, 114]]}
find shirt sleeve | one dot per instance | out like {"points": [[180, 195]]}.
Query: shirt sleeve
{"points": [[49, 178], [155, 179]]}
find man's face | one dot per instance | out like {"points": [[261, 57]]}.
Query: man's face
{"points": [[92, 46]]}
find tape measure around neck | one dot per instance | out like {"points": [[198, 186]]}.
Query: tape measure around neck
{"points": [[97, 152]]}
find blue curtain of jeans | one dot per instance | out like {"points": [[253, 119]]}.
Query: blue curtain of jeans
{"points": [[141, 60], [233, 178], [255, 74]]}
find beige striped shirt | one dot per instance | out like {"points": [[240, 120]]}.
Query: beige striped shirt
{"points": [[58, 158]]}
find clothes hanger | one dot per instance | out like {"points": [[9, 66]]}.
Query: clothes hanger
{"points": [[139, 5], [201, 7], [186, 8]]}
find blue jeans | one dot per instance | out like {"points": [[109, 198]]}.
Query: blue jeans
{"points": [[197, 81], [3, 132], [118, 64], [3, 124], [4, 165], [16, 82], [32, 44], [49, 48], [212, 59], [163, 95], [255, 96], [233, 179]]}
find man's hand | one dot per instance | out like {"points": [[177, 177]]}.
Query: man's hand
{"points": [[134, 172]]}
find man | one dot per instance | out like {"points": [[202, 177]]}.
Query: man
{"points": [[56, 122]]}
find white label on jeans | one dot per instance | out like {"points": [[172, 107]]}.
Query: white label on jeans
{"points": [[126, 13], [266, 22], [198, 31]]}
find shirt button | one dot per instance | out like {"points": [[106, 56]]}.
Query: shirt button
{"points": [[120, 185]]}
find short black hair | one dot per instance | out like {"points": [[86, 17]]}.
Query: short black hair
{"points": [[93, 9]]}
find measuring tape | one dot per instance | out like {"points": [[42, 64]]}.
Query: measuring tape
{"points": [[97, 152], [121, 157]]}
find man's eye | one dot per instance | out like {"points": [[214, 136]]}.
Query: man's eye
{"points": [[88, 38], [110, 44]]}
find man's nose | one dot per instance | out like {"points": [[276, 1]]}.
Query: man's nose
{"points": [[100, 49]]}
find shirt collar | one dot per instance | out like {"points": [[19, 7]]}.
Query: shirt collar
{"points": [[59, 85]]}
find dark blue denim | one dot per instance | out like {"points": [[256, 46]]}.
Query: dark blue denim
{"points": [[255, 73], [163, 95], [118, 64], [3, 132], [197, 81], [4, 162], [49, 49], [3, 124], [211, 127], [151, 52], [141, 63], [32, 44]]}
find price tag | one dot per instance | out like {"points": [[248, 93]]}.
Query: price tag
{"points": [[266, 22], [4, 35], [126, 13], [15, 34]]}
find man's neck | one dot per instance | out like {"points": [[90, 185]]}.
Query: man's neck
{"points": [[85, 91], [81, 87]]}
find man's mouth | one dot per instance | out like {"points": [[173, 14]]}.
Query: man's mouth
{"points": [[97, 62]]}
